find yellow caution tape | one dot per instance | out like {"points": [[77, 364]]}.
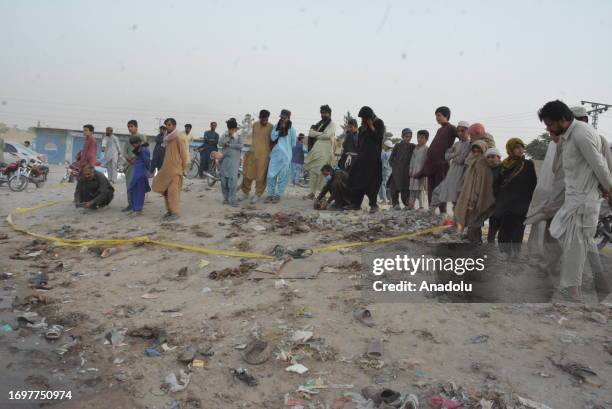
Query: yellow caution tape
{"points": [[182, 246], [382, 241]]}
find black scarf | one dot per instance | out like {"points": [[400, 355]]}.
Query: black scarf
{"points": [[321, 125], [283, 132]]}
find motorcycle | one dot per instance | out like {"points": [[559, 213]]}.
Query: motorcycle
{"points": [[7, 171], [31, 172], [213, 174], [603, 234]]}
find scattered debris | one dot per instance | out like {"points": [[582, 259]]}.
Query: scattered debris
{"points": [[532, 404], [364, 316], [256, 352], [297, 368], [582, 373], [203, 263], [176, 385], [479, 339], [244, 376]]}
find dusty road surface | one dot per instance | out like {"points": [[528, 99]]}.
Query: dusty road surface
{"points": [[146, 326]]}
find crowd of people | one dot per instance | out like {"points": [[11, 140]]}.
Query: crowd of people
{"points": [[461, 166]]}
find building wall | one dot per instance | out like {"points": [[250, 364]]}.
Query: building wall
{"points": [[51, 142], [62, 145]]}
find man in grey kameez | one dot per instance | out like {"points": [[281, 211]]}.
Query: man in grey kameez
{"points": [[449, 189], [587, 178], [231, 148]]}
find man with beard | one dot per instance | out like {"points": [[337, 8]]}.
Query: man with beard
{"points": [[349, 145], [365, 175], [322, 152], [435, 167], [399, 183], [169, 179], [255, 165], [93, 190], [284, 137], [110, 147], [211, 140], [587, 177]]}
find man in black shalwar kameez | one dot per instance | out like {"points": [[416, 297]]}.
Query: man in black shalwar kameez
{"points": [[365, 174]]}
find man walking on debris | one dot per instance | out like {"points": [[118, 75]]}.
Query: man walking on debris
{"points": [[256, 159], [169, 179], [365, 175], [587, 178], [324, 135]]}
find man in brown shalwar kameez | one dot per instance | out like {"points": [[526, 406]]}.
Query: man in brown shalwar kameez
{"points": [[256, 159], [436, 167], [169, 179]]}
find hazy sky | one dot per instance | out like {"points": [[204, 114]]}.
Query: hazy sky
{"points": [[67, 63]]}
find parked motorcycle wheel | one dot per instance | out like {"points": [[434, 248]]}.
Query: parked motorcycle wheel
{"points": [[17, 183], [212, 175], [193, 170]]}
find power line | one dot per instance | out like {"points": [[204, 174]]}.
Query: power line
{"points": [[598, 108]]}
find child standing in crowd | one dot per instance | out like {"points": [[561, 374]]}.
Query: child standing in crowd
{"points": [[297, 160], [231, 149], [493, 157], [383, 194], [476, 200], [418, 187], [399, 183], [139, 185], [517, 183]]}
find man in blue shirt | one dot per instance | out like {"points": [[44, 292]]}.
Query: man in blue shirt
{"points": [[211, 140]]}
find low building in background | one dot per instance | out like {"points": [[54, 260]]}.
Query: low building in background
{"points": [[60, 145]]}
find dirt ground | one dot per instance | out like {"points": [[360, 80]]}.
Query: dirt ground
{"points": [[486, 355]]}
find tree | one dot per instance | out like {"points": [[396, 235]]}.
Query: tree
{"points": [[246, 126], [347, 118], [3, 127], [537, 148]]}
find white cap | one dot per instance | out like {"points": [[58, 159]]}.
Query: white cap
{"points": [[579, 111], [463, 124], [492, 151], [388, 143]]}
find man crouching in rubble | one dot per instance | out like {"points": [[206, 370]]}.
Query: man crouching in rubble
{"points": [[336, 184], [93, 190]]}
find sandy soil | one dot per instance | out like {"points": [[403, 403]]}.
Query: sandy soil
{"points": [[429, 348]]}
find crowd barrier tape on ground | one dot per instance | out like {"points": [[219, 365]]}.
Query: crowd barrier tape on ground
{"points": [[189, 247]]}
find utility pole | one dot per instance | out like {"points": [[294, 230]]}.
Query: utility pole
{"points": [[598, 108]]}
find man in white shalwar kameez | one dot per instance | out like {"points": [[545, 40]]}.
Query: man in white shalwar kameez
{"points": [[587, 178], [111, 148]]}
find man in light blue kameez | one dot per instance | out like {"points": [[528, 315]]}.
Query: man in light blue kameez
{"points": [[284, 137]]}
